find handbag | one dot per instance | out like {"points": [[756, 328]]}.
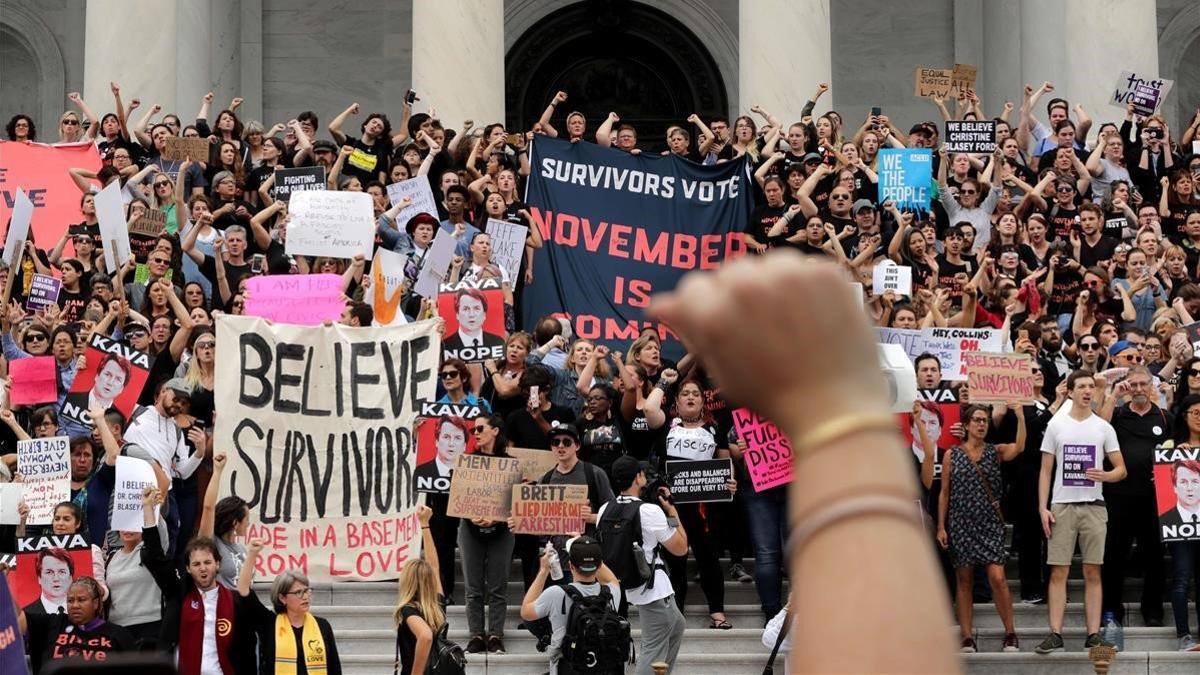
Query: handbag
{"points": [[987, 488]]}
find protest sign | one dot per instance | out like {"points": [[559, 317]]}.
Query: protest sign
{"points": [[508, 245], [701, 480], [474, 317], [301, 299], [43, 292], [443, 435], [178, 149], [18, 229], [619, 227], [299, 179], [1196, 147], [10, 503], [1177, 492], [768, 453], [46, 465], [34, 380], [962, 78], [318, 422], [41, 171], [481, 487], [906, 177], [948, 344], [888, 276], [910, 340], [435, 266], [548, 509], [973, 136], [114, 232], [133, 476], [939, 412], [387, 288], [12, 645], [113, 378], [151, 223], [1144, 92], [327, 223], [999, 378], [419, 191], [534, 463], [933, 82], [1193, 334], [63, 558], [1076, 460]]}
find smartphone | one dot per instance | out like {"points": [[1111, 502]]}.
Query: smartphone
{"points": [[410, 97], [1146, 272], [512, 139], [534, 396], [256, 263]]}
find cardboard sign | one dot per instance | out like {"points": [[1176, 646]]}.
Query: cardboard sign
{"points": [[18, 229], [1144, 92], [114, 232], [10, 503], [949, 344], [905, 177], [940, 410], [508, 245], [387, 287], [46, 465], [702, 480], [548, 509], [12, 646], [971, 136], [335, 224], [481, 487], [46, 566], [888, 276], [474, 317], [300, 179], [962, 78], [178, 148], [534, 463], [43, 292], [435, 266], [768, 453], [419, 191], [1177, 491], [1000, 378], [300, 299], [34, 380], [318, 421], [933, 82], [113, 378], [441, 440], [133, 476], [151, 223]]}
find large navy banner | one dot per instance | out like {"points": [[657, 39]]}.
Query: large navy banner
{"points": [[619, 228]]}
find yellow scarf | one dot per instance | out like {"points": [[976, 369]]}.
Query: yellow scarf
{"points": [[285, 646]]}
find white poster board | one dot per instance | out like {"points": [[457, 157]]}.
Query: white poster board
{"points": [[508, 245], [133, 476], [110, 213], [418, 190], [335, 224], [18, 229]]}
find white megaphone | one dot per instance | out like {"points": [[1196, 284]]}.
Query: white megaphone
{"points": [[901, 378]]}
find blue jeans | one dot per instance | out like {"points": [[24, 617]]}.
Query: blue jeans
{"points": [[1185, 561], [766, 514]]}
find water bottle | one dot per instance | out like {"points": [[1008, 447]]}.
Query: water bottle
{"points": [[556, 572], [1111, 631]]}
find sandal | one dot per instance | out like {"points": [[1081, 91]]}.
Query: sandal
{"points": [[723, 624]]}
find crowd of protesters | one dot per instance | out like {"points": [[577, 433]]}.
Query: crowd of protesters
{"points": [[1080, 239]]}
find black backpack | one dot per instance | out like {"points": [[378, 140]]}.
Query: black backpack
{"points": [[597, 638], [445, 657], [619, 532]]}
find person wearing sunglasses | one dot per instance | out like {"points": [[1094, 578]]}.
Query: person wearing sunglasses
{"points": [[456, 381], [1091, 354], [570, 470], [974, 201]]}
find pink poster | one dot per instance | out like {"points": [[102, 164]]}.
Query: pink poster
{"points": [[300, 299], [34, 380], [768, 453]]}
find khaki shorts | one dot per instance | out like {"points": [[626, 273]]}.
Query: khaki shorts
{"points": [[1087, 522]]}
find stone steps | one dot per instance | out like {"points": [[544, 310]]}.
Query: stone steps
{"points": [[375, 616], [1077, 663]]}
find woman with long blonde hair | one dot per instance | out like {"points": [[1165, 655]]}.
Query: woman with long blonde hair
{"points": [[420, 612]]}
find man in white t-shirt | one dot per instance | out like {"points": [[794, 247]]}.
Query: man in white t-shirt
{"points": [[662, 622], [1074, 450]]}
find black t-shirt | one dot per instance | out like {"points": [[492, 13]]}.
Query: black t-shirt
{"points": [[1103, 250], [1063, 295], [524, 432], [72, 303], [405, 638], [368, 161], [761, 220], [601, 442], [233, 273], [84, 228], [948, 275], [53, 638], [1138, 435], [1060, 221]]}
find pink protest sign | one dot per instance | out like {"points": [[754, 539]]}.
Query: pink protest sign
{"points": [[768, 453], [34, 380], [301, 299]]}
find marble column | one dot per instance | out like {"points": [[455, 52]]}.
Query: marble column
{"points": [[1082, 46], [783, 52], [462, 78], [164, 61]]}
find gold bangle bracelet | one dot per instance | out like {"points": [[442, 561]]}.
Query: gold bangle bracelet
{"points": [[841, 426]]}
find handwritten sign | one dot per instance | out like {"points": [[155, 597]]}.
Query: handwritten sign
{"points": [[18, 228], [10, 503], [481, 487], [46, 465], [418, 190], [933, 82], [962, 78], [178, 148], [326, 223], [888, 276], [299, 179], [703, 480], [548, 509], [34, 380], [150, 224], [999, 378], [301, 299], [508, 245], [972, 136], [905, 177], [133, 476], [1146, 93], [768, 453], [949, 344], [534, 463]]}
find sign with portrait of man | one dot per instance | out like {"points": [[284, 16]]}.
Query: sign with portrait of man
{"points": [[1177, 488]]}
